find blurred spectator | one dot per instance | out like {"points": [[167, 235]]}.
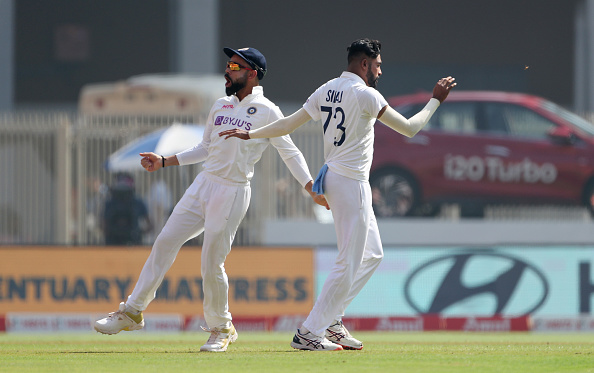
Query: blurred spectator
{"points": [[160, 206], [125, 217], [96, 194]]}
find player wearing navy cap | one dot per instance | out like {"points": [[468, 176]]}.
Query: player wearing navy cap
{"points": [[348, 107], [252, 56], [217, 200]]}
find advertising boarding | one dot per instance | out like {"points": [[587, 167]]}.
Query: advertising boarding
{"points": [[476, 281], [262, 281]]}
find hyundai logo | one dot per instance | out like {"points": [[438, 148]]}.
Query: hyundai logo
{"points": [[478, 283]]}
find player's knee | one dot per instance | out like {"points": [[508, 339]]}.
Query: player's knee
{"points": [[212, 264], [164, 243], [373, 260], [376, 258], [211, 273], [219, 237]]}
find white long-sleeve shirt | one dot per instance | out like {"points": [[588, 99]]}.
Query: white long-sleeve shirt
{"points": [[348, 109], [233, 160]]}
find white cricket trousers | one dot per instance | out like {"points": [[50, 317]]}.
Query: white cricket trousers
{"points": [[359, 249], [215, 207]]}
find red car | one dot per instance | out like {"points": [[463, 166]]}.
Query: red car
{"points": [[483, 148]]}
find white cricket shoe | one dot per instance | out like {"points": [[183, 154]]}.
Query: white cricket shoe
{"points": [[220, 338], [120, 320], [312, 342], [339, 334]]}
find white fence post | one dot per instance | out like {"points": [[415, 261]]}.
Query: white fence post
{"points": [[63, 179]]}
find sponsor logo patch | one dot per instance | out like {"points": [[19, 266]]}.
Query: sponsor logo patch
{"points": [[223, 120], [513, 285]]}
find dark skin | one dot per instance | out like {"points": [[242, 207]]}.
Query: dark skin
{"points": [[369, 69]]}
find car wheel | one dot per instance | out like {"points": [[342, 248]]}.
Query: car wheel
{"points": [[472, 210], [394, 193]]}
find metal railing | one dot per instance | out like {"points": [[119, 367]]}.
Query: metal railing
{"points": [[54, 183]]}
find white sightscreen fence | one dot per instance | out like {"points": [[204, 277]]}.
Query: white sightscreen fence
{"points": [[34, 196], [55, 184]]}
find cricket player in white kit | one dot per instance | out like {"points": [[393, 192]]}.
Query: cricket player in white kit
{"points": [[347, 107], [217, 200]]}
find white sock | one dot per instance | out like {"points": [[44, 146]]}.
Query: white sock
{"points": [[303, 330]]}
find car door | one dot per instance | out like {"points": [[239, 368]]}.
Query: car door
{"points": [[523, 163], [455, 153], [450, 132]]}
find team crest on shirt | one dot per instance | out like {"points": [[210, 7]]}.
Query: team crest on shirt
{"points": [[252, 110]]}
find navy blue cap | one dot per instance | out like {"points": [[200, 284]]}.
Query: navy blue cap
{"points": [[252, 56]]}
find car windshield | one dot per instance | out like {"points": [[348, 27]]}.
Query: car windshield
{"points": [[572, 118]]}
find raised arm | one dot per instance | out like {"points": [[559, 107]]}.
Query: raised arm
{"points": [[410, 127]]}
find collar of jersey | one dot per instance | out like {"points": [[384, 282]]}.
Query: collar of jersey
{"points": [[256, 91], [352, 76]]}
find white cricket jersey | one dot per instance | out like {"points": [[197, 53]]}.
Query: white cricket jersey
{"points": [[348, 109], [233, 159]]}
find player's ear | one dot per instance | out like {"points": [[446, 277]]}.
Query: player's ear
{"points": [[364, 64]]}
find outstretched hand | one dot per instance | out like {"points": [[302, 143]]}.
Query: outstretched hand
{"points": [[443, 87], [240, 134], [150, 161]]}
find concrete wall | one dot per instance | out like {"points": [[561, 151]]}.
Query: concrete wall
{"points": [[438, 232]]}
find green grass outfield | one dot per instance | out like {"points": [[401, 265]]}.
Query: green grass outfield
{"points": [[270, 352]]}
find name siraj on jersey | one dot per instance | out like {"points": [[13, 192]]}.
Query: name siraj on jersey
{"points": [[334, 96], [221, 119]]}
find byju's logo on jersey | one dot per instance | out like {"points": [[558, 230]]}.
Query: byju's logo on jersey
{"points": [[221, 119]]}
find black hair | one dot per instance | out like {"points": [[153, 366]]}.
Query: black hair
{"points": [[371, 48]]}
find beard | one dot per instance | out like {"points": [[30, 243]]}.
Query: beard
{"points": [[235, 86], [371, 81]]}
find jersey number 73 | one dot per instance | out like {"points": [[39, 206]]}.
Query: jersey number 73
{"points": [[329, 110]]}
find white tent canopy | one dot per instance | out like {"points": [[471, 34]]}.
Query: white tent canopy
{"points": [[165, 141]]}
